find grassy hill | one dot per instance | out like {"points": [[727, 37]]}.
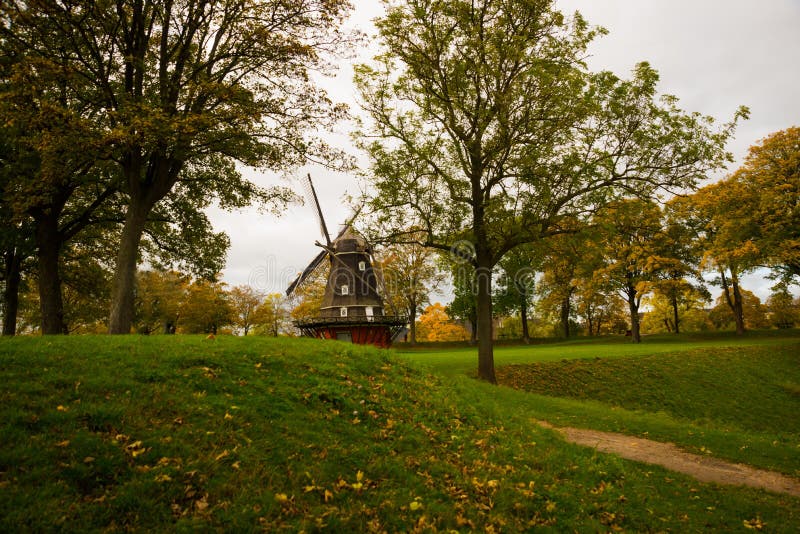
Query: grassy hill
{"points": [[181, 433]]}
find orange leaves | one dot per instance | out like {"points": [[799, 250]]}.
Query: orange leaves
{"points": [[435, 325], [754, 524]]}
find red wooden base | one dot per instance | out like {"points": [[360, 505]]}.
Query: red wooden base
{"points": [[378, 335]]}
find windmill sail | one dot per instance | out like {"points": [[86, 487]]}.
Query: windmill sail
{"points": [[309, 272], [312, 194]]}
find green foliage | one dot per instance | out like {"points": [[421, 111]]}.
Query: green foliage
{"points": [[692, 315], [487, 127], [410, 275], [754, 313], [784, 311], [766, 212], [271, 316], [180, 433], [159, 298], [206, 309]]}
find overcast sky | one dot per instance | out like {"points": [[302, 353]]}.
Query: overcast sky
{"points": [[714, 55]]}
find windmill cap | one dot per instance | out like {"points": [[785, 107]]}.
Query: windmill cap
{"points": [[350, 240]]}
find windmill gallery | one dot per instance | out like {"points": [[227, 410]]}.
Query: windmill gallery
{"points": [[352, 307]]}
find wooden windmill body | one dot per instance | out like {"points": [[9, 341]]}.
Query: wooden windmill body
{"points": [[352, 308]]}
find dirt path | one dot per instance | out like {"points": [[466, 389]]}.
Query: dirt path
{"points": [[703, 468]]}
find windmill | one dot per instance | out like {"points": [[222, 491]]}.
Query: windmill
{"points": [[352, 308]]}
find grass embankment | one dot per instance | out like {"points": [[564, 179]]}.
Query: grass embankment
{"points": [[733, 397], [178, 433]]}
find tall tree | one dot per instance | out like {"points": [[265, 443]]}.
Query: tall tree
{"points": [[207, 308], [729, 250], [563, 261], [629, 230], [676, 263], [784, 312], [52, 178], [768, 195], [515, 286], [410, 276], [271, 317], [487, 126], [160, 296], [245, 300], [178, 82]]}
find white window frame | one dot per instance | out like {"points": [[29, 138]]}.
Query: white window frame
{"points": [[345, 289], [362, 266], [343, 311]]}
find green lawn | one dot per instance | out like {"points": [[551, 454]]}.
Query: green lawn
{"points": [[178, 433], [463, 360]]}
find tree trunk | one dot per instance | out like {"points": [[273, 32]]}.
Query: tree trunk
{"points": [[738, 306], [523, 314], [565, 311], [122, 292], [13, 277], [484, 311], [473, 332], [675, 317], [735, 302], [412, 326], [633, 306], [51, 300]]}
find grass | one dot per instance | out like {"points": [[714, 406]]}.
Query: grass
{"points": [[463, 360], [178, 433], [736, 403]]}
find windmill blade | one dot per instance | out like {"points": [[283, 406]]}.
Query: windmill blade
{"points": [[312, 193], [307, 273]]}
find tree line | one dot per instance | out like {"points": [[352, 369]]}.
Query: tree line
{"points": [[121, 121]]}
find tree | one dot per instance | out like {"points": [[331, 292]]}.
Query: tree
{"points": [[410, 276], [160, 297], [306, 300], [677, 264], [754, 314], [783, 310], [515, 286], [728, 248], [463, 307], [564, 259], [206, 309], [183, 83], [271, 318], [629, 229], [487, 127], [54, 177], [436, 326], [660, 314], [769, 201], [244, 301]]}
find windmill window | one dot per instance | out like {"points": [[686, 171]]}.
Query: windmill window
{"points": [[369, 311], [362, 266], [343, 312], [345, 290]]}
